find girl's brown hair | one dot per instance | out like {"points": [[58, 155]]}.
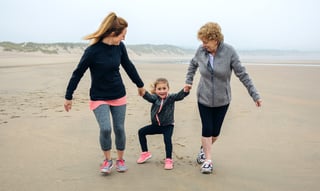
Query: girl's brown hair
{"points": [[110, 24], [158, 81]]}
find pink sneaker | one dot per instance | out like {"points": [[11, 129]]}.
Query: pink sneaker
{"points": [[106, 166], [168, 164], [121, 166], [144, 156]]}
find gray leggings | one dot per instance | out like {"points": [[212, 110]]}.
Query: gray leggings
{"points": [[118, 113]]}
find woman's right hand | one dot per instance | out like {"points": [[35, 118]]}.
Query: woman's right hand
{"points": [[68, 105]]}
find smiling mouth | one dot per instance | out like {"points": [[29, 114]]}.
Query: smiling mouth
{"points": [[162, 95]]}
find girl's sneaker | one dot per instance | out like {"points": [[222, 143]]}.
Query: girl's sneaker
{"points": [[207, 167], [168, 164], [201, 156], [121, 166], [144, 156], [106, 166]]}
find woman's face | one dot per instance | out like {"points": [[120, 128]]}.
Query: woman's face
{"points": [[120, 37], [210, 45], [161, 90]]}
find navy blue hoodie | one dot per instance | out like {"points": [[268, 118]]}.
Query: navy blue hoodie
{"points": [[104, 62]]}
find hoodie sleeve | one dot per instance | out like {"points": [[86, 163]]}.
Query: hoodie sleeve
{"points": [[130, 68]]}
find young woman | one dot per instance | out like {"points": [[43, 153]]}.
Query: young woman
{"points": [[107, 92]]}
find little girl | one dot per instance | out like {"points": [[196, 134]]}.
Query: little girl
{"points": [[162, 119]]}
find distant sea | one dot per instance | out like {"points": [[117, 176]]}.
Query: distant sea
{"points": [[258, 57], [280, 58]]}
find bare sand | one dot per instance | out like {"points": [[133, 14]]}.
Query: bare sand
{"points": [[42, 147]]}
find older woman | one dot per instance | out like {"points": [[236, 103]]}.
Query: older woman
{"points": [[215, 60]]}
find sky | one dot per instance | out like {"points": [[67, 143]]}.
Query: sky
{"points": [[246, 24]]}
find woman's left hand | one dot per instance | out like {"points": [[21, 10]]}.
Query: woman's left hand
{"points": [[259, 103]]}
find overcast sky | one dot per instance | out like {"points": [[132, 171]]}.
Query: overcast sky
{"points": [[246, 24]]}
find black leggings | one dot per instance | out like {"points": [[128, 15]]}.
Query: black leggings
{"points": [[167, 132], [212, 119]]}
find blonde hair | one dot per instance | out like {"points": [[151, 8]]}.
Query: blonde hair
{"points": [[158, 81], [210, 31], [110, 24]]}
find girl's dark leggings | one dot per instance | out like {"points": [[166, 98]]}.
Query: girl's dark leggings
{"points": [[167, 132]]}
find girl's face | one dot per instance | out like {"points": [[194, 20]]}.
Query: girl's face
{"points": [[161, 90]]}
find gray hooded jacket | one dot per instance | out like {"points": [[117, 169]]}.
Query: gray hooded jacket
{"points": [[214, 86]]}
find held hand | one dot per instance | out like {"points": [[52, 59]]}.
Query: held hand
{"points": [[67, 105], [141, 91], [259, 103], [187, 87]]}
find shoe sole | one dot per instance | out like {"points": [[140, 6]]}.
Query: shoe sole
{"points": [[144, 160], [119, 170], [206, 171], [168, 168]]}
